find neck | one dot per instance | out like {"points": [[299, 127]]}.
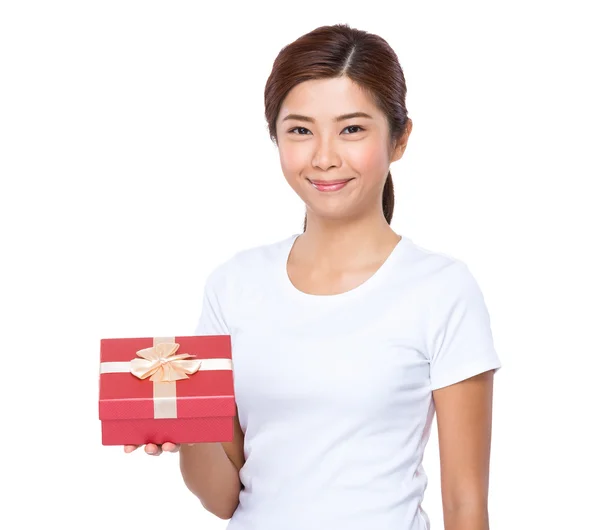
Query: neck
{"points": [[334, 244]]}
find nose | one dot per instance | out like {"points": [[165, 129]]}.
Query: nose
{"points": [[326, 155]]}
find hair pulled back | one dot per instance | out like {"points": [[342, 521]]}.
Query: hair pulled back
{"points": [[336, 51]]}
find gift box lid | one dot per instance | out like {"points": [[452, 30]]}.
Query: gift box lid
{"points": [[208, 392]]}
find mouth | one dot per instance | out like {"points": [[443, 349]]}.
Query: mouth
{"points": [[329, 185]]}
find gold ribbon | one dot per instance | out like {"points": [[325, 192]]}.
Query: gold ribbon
{"points": [[164, 368], [161, 364]]}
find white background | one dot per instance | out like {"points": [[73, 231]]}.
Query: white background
{"points": [[135, 158]]}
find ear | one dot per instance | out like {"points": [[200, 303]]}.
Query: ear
{"points": [[401, 142]]}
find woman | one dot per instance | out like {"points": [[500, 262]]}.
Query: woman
{"points": [[346, 337]]}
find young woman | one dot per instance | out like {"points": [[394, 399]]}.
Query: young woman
{"points": [[348, 337]]}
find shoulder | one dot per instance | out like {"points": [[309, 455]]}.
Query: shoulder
{"points": [[250, 263], [435, 271], [443, 285], [261, 255]]}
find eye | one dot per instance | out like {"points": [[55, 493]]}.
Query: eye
{"points": [[297, 128], [354, 127], [305, 129]]}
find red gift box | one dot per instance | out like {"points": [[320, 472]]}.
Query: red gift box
{"points": [[166, 389]]}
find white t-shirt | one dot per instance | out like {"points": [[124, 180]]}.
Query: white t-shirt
{"points": [[334, 392]]}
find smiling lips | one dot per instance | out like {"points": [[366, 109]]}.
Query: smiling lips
{"points": [[329, 185]]}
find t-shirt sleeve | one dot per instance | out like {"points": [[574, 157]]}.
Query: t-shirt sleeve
{"points": [[213, 320], [461, 344]]}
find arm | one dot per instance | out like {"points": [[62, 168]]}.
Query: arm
{"points": [[211, 472], [464, 419]]}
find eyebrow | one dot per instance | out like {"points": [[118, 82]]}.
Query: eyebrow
{"points": [[343, 117]]}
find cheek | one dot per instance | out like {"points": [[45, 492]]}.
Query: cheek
{"points": [[369, 159], [365, 158], [292, 160]]}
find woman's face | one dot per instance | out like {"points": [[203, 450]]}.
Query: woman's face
{"points": [[317, 142]]}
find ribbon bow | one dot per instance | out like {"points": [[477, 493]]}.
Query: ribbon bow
{"points": [[161, 364]]}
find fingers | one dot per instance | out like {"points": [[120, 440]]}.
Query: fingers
{"points": [[170, 447], [154, 449]]}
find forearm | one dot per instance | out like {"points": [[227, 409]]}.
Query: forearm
{"points": [[471, 518], [211, 476]]}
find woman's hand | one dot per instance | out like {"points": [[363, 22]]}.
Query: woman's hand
{"points": [[154, 449]]}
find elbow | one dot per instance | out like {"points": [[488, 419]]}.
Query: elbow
{"points": [[222, 512], [219, 506], [222, 506], [224, 516]]}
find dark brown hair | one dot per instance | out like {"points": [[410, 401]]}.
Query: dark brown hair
{"points": [[337, 51]]}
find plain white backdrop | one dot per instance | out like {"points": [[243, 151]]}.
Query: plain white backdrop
{"points": [[134, 158]]}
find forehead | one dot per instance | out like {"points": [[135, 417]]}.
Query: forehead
{"points": [[324, 99]]}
